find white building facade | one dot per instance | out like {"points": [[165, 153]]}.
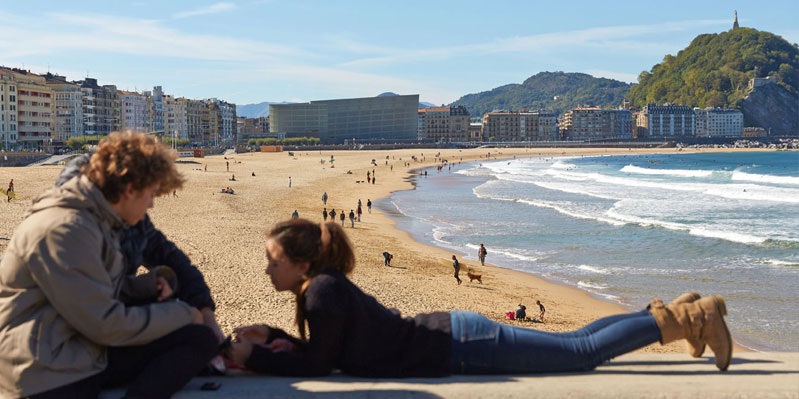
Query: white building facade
{"points": [[719, 122]]}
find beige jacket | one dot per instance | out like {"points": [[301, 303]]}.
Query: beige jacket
{"points": [[60, 280]]}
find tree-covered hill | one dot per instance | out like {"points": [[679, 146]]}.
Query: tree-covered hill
{"points": [[552, 91], [715, 69]]}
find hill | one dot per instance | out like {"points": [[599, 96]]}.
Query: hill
{"points": [[715, 69], [253, 110], [551, 91]]}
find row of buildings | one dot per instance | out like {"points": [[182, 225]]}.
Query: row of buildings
{"points": [[40, 111]]}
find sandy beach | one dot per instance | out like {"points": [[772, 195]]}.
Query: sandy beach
{"points": [[224, 234]]}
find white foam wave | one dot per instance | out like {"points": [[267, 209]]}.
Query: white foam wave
{"points": [[561, 209], [666, 172], [586, 284], [777, 262], [563, 165], [693, 230], [593, 269], [742, 176]]}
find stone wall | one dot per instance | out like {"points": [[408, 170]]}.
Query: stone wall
{"points": [[772, 107]]}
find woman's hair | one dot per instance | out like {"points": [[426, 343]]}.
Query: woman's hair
{"points": [[128, 157], [303, 241]]}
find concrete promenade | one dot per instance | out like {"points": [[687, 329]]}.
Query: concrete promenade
{"points": [[751, 375]]}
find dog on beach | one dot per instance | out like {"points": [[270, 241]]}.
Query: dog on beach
{"points": [[473, 276]]}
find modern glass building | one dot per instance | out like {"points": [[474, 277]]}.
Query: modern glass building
{"points": [[333, 121]]}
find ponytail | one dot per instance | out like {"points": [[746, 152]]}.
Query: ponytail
{"points": [[324, 246]]}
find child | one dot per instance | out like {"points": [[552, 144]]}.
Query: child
{"points": [[542, 309], [387, 257], [352, 332]]}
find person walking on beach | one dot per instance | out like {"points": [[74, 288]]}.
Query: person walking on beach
{"points": [[10, 190], [342, 217], [324, 214], [481, 254], [542, 309], [295, 215], [457, 266], [352, 332], [289, 181], [369, 205], [352, 218], [359, 212], [374, 179], [227, 165], [332, 214], [324, 198]]}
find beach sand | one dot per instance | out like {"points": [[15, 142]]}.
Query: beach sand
{"points": [[225, 234]]}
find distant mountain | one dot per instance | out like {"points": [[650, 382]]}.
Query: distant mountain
{"points": [[387, 94], [552, 91], [257, 110], [425, 104]]}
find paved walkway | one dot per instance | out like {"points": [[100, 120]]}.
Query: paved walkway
{"points": [[751, 375]]}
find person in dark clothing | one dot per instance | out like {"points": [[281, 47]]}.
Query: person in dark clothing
{"points": [[542, 310], [295, 215], [387, 258], [369, 205], [352, 332], [342, 217], [521, 312], [457, 266], [481, 254], [352, 218], [324, 214], [332, 214]]}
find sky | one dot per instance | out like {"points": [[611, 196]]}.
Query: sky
{"points": [[249, 51]]}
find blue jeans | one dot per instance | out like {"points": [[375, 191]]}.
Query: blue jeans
{"points": [[483, 346]]}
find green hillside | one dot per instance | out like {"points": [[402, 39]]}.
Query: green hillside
{"points": [[551, 91], [715, 69]]}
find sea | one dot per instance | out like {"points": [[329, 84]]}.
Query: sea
{"points": [[627, 228]]}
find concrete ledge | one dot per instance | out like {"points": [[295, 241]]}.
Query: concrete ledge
{"points": [[751, 375]]}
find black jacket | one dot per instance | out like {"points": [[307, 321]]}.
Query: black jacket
{"points": [[352, 332], [144, 245]]}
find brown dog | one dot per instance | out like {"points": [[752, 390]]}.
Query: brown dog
{"points": [[472, 276]]}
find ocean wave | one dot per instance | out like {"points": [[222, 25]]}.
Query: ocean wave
{"points": [[781, 244], [593, 269], [777, 262], [561, 209], [586, 284], [563, 165], [693, 230], [773, 179], [667, 172]]}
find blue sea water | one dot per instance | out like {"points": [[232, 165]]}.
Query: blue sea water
{"points": [[631, 227]]}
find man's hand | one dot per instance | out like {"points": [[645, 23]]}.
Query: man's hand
{"points": [[164, 289]]}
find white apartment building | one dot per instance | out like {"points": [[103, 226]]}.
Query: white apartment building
{"points": [[8, 109], [35, 107], [68, 108], [719, 122], [157, 114], [134, 111]]}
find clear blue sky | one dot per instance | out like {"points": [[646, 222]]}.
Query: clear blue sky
{"points": [[248, 51]]}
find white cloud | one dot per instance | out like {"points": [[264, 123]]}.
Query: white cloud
{"points": [[212, 9], [614, 38]]}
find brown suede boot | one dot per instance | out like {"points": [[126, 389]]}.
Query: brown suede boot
{"points": [[695, 347], [701, 321]]}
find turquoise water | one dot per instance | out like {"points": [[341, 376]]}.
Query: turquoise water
{"points": [[629, 228]]}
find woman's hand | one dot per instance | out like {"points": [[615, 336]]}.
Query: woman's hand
{"points": [[239, 352], [282, 345], [164, 289], [255, 334]]}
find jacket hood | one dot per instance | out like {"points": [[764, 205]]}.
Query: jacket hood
{"points": [[77, 193]]}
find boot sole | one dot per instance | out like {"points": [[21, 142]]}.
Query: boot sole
{"points": [[722, 308]]}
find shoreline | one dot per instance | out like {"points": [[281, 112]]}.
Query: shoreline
{"points": [[224, 235], [414, 174]]}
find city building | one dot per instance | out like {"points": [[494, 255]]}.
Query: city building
{"points": [[157, 114], [421, 133], [135, 111], [519, 126], [68, 121], [668, 120], [8, 109], [100, 108], [719, 122], [392, 118], [194, 122], [33, 100], [226, 122], [475, 131], [446, 123]]}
